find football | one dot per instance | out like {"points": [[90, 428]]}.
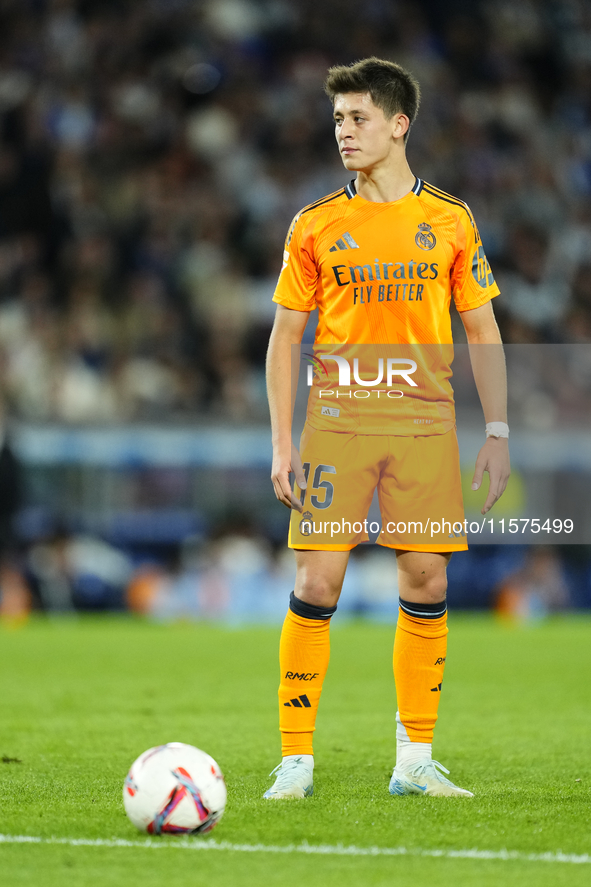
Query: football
{"points": [[174, 789]]}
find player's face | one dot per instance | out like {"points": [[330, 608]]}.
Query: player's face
{"points": [[364, 136]]}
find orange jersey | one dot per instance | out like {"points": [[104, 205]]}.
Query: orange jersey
{"points": [[384, 273]]}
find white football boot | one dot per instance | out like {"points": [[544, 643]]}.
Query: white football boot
{"points": [[294, 778], [424, 778]]}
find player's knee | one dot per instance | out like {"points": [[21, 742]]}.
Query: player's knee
{"points": [[434, 589], [430, 589], [317, 590]]}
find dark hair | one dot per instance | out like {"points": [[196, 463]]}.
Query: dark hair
{"points": [[390, 87]]}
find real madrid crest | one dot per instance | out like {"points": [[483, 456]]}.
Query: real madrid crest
{"points": [[425, 238], [306, 524]]}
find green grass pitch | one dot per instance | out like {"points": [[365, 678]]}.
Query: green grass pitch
{"points": [[80, 699]]}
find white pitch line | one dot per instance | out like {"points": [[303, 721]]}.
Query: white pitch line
{"points": [[311, 849]]}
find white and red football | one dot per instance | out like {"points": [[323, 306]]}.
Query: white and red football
{"points": [[174, 789]]}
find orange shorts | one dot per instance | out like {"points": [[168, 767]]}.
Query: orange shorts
{"points": [[418, 484]]}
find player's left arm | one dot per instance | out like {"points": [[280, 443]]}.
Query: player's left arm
{"points": [[490, 374]]}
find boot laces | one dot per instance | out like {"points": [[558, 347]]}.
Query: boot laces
{"points": [[285, 771], [423, 768]]}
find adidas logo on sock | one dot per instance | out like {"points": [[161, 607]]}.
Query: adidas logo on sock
{"points": [[436, 689], [344, 242], [301, 702]]}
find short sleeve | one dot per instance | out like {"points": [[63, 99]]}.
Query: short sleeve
{"points": [[472, 280], [298, 280]]}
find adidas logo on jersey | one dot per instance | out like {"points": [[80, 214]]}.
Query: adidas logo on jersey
{"points": [[344, 242], [301, 702]]}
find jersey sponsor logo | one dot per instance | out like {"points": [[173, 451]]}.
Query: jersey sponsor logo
{"points": [[425, 239], [440, 661], [347, 274], [300, 676], [481, 269], [391, 292], [346, 241]]}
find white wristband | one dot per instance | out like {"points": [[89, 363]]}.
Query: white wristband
{"points": [[497, 429]]}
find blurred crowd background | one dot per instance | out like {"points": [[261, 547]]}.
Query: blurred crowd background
{"points": [[152, 155]]}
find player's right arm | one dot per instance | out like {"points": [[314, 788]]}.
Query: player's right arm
{"points": [[288, 330]]}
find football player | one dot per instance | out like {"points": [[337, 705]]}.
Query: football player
{"points": [[381, 259]]}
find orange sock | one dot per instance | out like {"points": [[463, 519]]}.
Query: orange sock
{"points": [[304, 652], [420, 648]]}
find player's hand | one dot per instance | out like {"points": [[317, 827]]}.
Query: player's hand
{"points": [[283, 463], [494, 458]]}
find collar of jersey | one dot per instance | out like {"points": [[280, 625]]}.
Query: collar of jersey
{"points": [[351, 192]]}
